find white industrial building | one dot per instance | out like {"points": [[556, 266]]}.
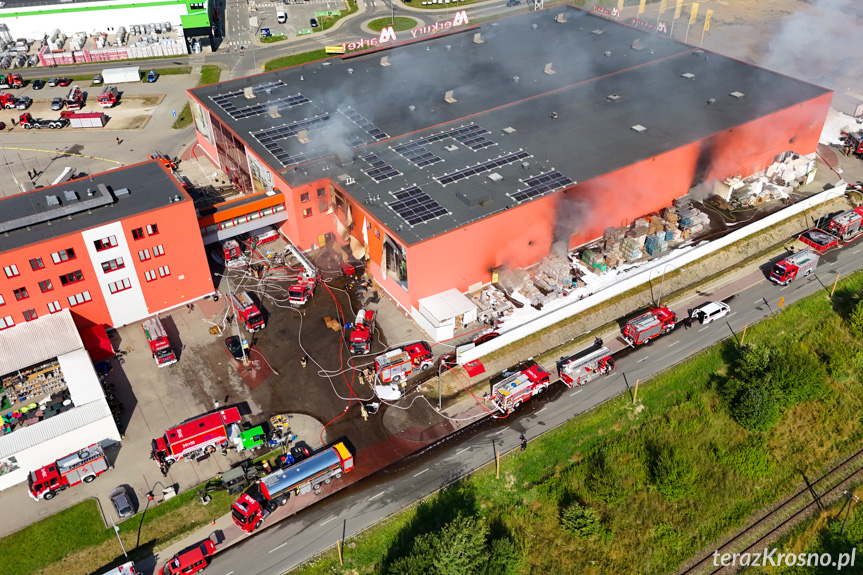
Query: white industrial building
{"points": [[49, 381]]}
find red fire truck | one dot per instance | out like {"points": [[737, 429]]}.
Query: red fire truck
{"points": [[127, 568], [516, 388], [362, 332], [8, 101], [11, 81], [797, 265], [196, 437], [302, 291], [247, 311], [847, 224], [191, 561], [647, 326], [84, 466], [109, 97], [398, 364], [232, 252], [309, 474], [74, 99], [585, 365], [160, 347]]}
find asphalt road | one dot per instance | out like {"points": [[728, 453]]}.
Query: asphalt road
{"points": [[293, 541]]}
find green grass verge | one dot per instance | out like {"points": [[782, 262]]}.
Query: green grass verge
{"points": [[604, 460], [327, 22], [173, 71], [295, 60], [210, 74], [399, 23], [272, 39]]}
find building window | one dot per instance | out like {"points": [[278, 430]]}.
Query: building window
{"points": [[45, 286], [54, 306], [322, 192], [79, 298], [144, 255], [2, 301], [377, 233], [6, 322], [105, 243], [152, 230], [138, 233], [119, 285], [63, 255], [196, 6], [30, 314], [37, 264], [307, 212], [11, 271], [21, 293], [150, 275], [111, 265], [158, 250], [305, 197], [71, 277], [164, 271], [322, 207]]}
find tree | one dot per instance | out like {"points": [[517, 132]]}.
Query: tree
{"points": [[755, 409], [461, 547], [503, 559], [672, 473], [799, 375], [754, 361], [420, 560], [581, 521], [856, 320]]}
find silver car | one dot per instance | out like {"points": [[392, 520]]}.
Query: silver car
{"points": [[122, 502]]}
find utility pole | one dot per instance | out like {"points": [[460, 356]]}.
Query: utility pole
{"points": [[117, 532], [239, 335]]}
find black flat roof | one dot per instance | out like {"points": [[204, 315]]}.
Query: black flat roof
{"points": [[608, 78], [85, 203]]}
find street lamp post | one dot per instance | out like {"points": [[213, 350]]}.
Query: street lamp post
{"points": [[824, 204], [239, 335], [117, 531], [659, 300]]}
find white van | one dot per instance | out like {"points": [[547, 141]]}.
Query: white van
{"points": [[281, 17]]}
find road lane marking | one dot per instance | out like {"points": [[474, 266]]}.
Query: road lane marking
{"points": [[462, 450], [732, 313], [675, 343], [541, 410], [642, 359], [229, 573], [786, 287], [497, 432], [376, 496], [703, 328], [852, 253], [322, 524], [421, 472], [758, 301], [579, 391], [279, 547]]}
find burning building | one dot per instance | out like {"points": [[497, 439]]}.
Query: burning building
{"points": [[443, 158]]}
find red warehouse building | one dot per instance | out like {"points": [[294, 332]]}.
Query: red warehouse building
{"points": [[443, 158], [114, 248]]}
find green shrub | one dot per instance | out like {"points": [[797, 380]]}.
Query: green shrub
{"points": [[755, 409], [856, 320], [797, 376], [601, 478], [753, 362], [504, 558], [581, 521], [672, 473], [461, 548], [751, 458]]}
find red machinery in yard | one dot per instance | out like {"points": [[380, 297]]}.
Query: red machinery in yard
{"points": [[28, 122], [307, 280], [585, 365], [82, 466], [11, 81], [196, 437], [247, 311], [847, 224], [157, 337], [819, 240], [109, 97], [8, 101], [307, 475], [797, 265], [398, 364], [74, 99], [362, 332], [507, 394], [649, 325]]}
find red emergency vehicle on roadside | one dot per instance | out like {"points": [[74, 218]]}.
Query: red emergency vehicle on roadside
{"points": [[191, 561], [507, 394], [196, 437], [846, 225], [585, 365], [157, 337], [649, 325], [247, 311], [398, 364], [82, 466], [362, 332]]}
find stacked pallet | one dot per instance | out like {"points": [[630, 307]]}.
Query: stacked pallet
{"points": [[556, 267]]}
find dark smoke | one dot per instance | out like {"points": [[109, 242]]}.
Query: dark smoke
{"points": [[571, 215]]}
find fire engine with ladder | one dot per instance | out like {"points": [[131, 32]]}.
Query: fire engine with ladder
{"points": [[585, 365], [83, 466], [362, 331], [109, 96], [307, 280], [246, 310], [74, 99], [196, 437], [157, 337], [507, 394], [397, 364], [649, 325], [233, 255]]}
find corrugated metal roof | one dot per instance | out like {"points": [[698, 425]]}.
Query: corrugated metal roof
{"points": [[31, 342], [54, 427]]}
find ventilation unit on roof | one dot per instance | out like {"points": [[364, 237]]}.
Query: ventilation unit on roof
{"points": [[639, 128], [52, 200], [533, 26], [249, 92], [274, 112], [515, 79], [561, 18], [737, 95], [70, 196], [412, 108], [548, 69], [607, 53], [636, 44], [711, 101], [385, 61], [613, 97], [597, 32], [121, 192], [477, 39], [495, 177], [350, 70], [509, 130], [303, 136], [688, 75], [451, 148], [90, 192], [448, 97], [698, 53], [448, 47]]}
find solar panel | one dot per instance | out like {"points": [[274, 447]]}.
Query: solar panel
{"points": [[287, 160], [483, 167], [222, 100], [415, 206], [380, 170], [289, 130], [364, 124], [541, 185]]}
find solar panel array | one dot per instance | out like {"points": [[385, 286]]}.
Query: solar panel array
{"points": [[415, 206], [286, 131], [417, 154], [380, 170], [481, 168], [287, 160], [542, 184], [471, 136], [364, 124], [222, 99], [254, 110]]}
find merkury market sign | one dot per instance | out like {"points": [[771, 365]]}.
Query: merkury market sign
{"points": [[389, 35]]}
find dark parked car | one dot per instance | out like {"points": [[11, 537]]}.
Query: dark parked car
{"points": [[53, 82], [513, 3], [38, 84], [235, 347], [122, 502], [23, 103], [64, 82], [57, 103], [314, 22]]}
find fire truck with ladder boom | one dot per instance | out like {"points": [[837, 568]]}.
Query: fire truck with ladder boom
{"points": [[109, 96], [74, 99], [362, 331], [274, 489], [246, 310], [83, 466], [157, 337], [647, 326], [196, 437], [585, 365], [307, 280], [531, 379], [398, 364]]}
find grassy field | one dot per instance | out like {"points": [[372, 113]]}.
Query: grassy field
{"points": [[641, 488], [273, 39], [327, 22], [295, 60], [209, 75], [398, 23]]}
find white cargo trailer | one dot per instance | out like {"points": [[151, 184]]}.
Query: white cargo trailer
{"points": [[120, 75]]}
